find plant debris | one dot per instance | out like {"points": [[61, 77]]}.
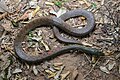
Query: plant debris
{"points": [[14, 14], [17, 70], [104, 69]]}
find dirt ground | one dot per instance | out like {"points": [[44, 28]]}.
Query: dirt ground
{"points": [[14, 14]]}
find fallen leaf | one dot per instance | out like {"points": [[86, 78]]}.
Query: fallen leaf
{"points": [[2, 75], [52, 11], [6, 74], [3, 7], [102, 2], [52, 75], [34, 12], [63, 76], [45, 45], [35, 71], [25, 15], [87, 3], [7, 26], [57, 64], [59, 72], [81, 2], [49, 3], [36, 38], [87, 44], [9, 73], [52, 69], [117, 56], [20, 6], [3, 15], [104, 69], [111, 65], [59, 13], [56, 68], [17, 70], [48, 72], [5, 62], [33, 3], [45, 65]]}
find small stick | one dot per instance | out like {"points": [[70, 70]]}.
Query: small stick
{"points": [[91, 69], [3, 15]]}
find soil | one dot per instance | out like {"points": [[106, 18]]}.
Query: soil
{"points": [[105, 37]]}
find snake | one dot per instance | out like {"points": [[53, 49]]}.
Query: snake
{"points": [[57, 23]]}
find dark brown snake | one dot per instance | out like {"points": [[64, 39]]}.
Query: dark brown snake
{"points": [[57, 23]]}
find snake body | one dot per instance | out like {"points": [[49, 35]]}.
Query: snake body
{"points": [[76, 32], [58, 23]]}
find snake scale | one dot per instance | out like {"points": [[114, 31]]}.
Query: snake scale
{"points": [[57, 23]]}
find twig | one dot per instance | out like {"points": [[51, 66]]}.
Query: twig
{"points": [[87, 58], [91, 68], [3, 35], [111, 16]]}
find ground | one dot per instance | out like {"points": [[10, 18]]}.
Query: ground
{"points": [[15, 14]]}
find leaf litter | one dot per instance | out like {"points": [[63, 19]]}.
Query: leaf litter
{"points": [[57, 6]]}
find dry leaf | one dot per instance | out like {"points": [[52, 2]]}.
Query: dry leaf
{"points": [[87, 44], [33, 3], [31, 15], [81, 2], [20, 6], [58, 64], [52, 69], [59, 72], [9, 73], [111, 65], [45, 45], [49, 3], [17, 70], [25, 15], [52, 11], [87, 3], [3, 7], [59, 13], [104, 69], [52, 75], [37, 38], [63, 76], [35, 71], [5, 63], [49, 72], [7, 26], [102, 2], [56, 68], [3, 15], [117, 56]]}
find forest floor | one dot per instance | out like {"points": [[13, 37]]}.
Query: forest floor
{"points": [[15, 14]]}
